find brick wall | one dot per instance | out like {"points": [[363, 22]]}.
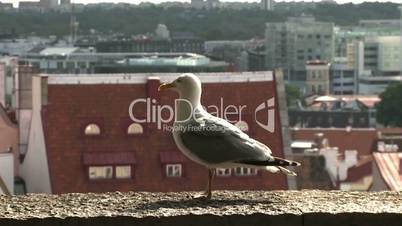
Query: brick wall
{"points": [[71, 107]]}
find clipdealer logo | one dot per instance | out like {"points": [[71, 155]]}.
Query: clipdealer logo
{"points": [[163, 114]]}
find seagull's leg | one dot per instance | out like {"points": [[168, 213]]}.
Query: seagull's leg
{"points": [[208, 192]]}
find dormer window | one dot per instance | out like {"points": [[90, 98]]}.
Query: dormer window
{"points": [[92, 129], [135, 129], [242, 125]]}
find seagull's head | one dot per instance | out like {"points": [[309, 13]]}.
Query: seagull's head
{"points": [[187, 85]]}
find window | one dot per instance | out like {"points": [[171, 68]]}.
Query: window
{"points": [[242, 171], [100, 172], [242, 125], [173, 170], [123, 172], [134, 129], [92, 129], [223, 172]]}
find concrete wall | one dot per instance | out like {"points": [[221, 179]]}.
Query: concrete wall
{"points": [[227, 208]]}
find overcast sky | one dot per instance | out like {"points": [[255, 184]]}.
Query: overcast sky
{"points": [[15, 2]]}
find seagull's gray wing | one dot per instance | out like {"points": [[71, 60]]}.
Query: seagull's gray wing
{"points": [[216, 141]]}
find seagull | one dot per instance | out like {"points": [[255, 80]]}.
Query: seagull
{"points": [[213, 142]]}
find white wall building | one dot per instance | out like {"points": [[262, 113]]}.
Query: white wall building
{"points": [[267, 5]]}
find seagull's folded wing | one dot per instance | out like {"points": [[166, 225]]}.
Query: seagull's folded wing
{"points": [[216, 141]]}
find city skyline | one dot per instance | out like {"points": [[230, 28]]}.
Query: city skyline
{"points": [[15, 2]]}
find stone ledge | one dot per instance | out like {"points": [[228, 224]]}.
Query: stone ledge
{"points": [[282, 208]]}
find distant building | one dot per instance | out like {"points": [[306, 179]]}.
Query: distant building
{"points": [[28, 6], [339, 111], [382, 23], [317, 79], [72, 60], [290, 44], [346, 154], [6, 6], [376, 62], [49, 4], [256, 59], [178, 42], [267, 5], [342, 77], [231, 51], [8, 69], [376, 84], [102, 149]]}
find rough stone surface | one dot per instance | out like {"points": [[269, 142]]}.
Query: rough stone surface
{"points": [[292, 208]]}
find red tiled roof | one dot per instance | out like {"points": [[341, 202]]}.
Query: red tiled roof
{"points": [[108, 158], [388, 165], [362, 140]]}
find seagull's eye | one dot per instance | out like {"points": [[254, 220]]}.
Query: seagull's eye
{"points": [[178, 80]]}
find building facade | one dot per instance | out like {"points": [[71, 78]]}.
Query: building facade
{"points": [[342, 77], [290, 44], [92, 145], [72, 60], [317, 78]]}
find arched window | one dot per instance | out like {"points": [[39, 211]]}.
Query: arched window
{"points": [[92, 129], [242, 125], [134, 129]]}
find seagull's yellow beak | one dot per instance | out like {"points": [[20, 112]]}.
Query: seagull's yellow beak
{"points": [[166, 86]]}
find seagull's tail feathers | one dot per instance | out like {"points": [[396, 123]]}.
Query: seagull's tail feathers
{"points": [[275, 161], [277, 169]]}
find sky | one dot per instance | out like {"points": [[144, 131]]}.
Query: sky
{"points": [[15, 2]]}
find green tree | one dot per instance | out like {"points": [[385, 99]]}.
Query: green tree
{"points": [[389, 110], [292, 94]]}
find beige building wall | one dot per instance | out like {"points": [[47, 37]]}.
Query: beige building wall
{"points": [[317, 80]]}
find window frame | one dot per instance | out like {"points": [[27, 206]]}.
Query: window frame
{"points": [[218, 172], [92, 134], [250, 172], [135, 134], [114, 177], [172, 165]]}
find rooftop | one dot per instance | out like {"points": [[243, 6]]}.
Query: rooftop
{"points": [[140, 78], [389, 165]]}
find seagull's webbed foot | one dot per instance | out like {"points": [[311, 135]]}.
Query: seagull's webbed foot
{"points": [[202, 196], [207, 195]]}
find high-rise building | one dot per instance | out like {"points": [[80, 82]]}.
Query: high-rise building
{"points": [[267, 4], [290, 44], [376, 62]]}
